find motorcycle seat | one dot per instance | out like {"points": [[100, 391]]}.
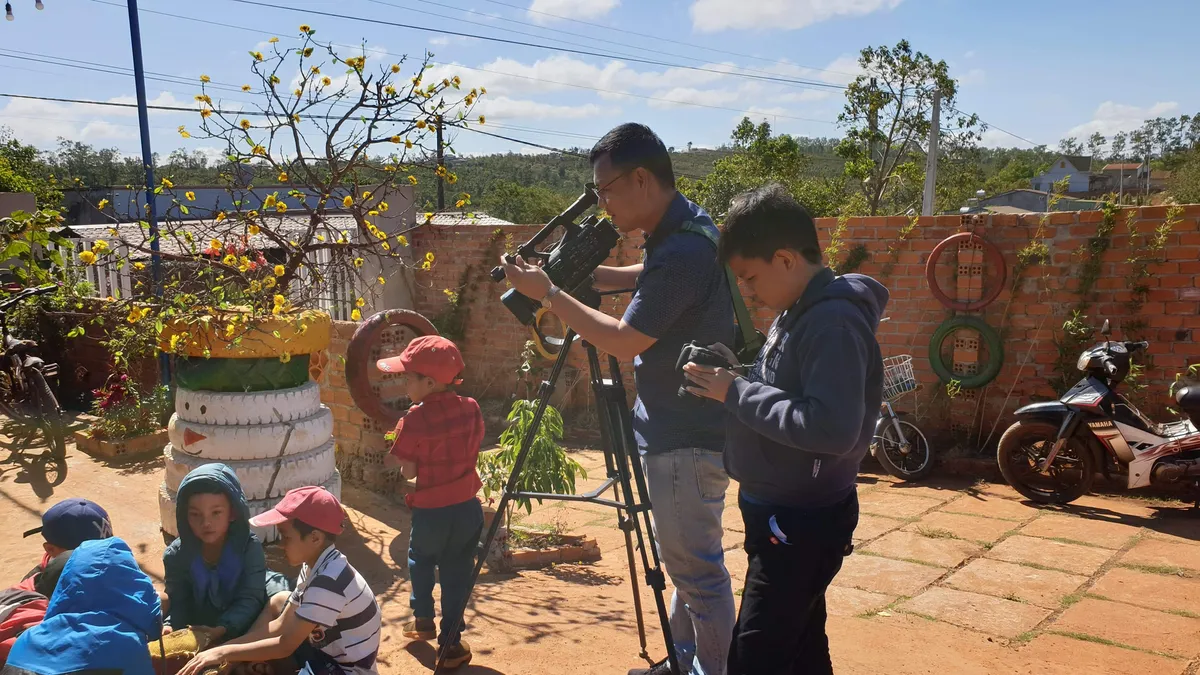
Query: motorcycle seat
{"points": [[1188, 399]]}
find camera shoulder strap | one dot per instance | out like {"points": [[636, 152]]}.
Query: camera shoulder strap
{"points": [[751, 339]]}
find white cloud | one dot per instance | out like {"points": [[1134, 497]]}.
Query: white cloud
{"points": [[969, 55], [710, 16], [1111, 117], [504, 108], [673, 98], [974, 76], [576, 9], [42, 123]]}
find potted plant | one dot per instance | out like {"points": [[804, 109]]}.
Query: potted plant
{"points": [[129, 421]]}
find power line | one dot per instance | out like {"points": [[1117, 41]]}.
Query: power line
{"points": [[571, 50]]}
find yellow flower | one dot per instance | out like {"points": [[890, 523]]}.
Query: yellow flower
{"points": [[482, 120], [389, 168], [103, 203], [279, 271], [206, 79], [269, 282], [174, 341], [274, 81], [483, 90], [325, 81], [205, 113], [245, 124], [383, 206], [386, 246], [258, 150], [269, 201], [283, 177], [315, 70], [183, 132], [395, 139], [402, 239], [230, 259], [299, 92], [190, 196], [279, 300], [428, 216], [366, 195], [245, 87], [229, 329], [273, 40], [459, 204], [139, 266], [456, 81], [100, 246], [389, 90], [348, 201], [358, 262], [257, 56], [281, 208], [295, 117], [304, 28], [412, 180], [167, 183], [429, 257], [215, 245], [361, 302], [285, 357], [421, 124], [395, 68], [253, 229], [426, 265], [87, 257], [204, 98], [220, 216], [356, 315], [381, 280], [408, 144]]}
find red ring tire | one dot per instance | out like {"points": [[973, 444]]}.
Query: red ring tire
{"points": [[992, 256], [359, 363]]}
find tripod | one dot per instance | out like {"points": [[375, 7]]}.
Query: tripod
{"points": [[624, 474]]}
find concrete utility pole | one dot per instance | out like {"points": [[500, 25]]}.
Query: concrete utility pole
{"points": [[873, 122], [441, 160], [932, 160]]}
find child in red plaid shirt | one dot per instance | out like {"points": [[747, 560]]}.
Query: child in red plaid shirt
{"points": [[437, 443]]}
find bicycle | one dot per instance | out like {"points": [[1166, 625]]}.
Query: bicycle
{"points": [[27, 399], [898, 444]]}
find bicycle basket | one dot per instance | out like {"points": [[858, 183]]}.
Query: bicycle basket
{"points": [[898, 377]]}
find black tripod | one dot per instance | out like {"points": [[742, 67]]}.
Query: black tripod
{"points": [[624, 474]]}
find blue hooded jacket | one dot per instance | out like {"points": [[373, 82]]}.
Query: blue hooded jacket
{"points": [[233, 593], [803, 417], [100, 616]]}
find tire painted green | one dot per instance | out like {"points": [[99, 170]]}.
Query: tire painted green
{"points": [[990, 338], [240, 375]]}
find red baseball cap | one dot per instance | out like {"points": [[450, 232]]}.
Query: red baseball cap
{"points": [[430, 355], [313, 505]]}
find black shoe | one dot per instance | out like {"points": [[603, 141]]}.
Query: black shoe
{"points": [[660, 668]]}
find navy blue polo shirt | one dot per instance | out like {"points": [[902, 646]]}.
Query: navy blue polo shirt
{"points": [[682, 295]]}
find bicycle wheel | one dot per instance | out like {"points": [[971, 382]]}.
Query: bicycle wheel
{"points": [[46, 407], [910, 460]]}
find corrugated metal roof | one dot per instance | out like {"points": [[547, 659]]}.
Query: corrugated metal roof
{"points": [[1122, 167], [454, 218], [172, 235]]}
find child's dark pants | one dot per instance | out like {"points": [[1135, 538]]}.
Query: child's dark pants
{"points": [[446, 538], [781, 624]]}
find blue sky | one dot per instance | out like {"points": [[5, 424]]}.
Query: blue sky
{"points": [[1041, 70]]}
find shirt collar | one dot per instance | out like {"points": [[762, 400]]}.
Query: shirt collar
{"points": [[677, 212]]}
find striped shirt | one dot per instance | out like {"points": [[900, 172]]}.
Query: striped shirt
{"points": [[333, 595]]}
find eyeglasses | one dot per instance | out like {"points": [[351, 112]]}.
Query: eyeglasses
{"points": [[602, 192]]}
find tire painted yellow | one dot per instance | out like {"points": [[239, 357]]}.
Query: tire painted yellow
{"points": [[304, 332]]}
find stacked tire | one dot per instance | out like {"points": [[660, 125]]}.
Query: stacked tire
{"points": [[254, 408]]}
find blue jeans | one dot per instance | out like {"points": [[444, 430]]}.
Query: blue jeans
{"points": [[446, 538], [687, 494]]}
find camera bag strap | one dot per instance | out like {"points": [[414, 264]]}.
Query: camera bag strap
{"points": [[750, 339]]}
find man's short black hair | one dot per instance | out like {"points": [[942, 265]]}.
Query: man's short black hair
{"points": [[304, 529], [631, 146], [763, 221]]}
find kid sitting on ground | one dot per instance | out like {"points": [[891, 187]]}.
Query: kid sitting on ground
{"points": [[330, 624], [65, 526], [437, 443], [216, 573]]}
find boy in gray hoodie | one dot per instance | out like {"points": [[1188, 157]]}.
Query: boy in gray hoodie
{"points": [[798, 424]]}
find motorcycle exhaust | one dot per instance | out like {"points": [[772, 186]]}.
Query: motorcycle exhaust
{"points": [[1170, 472]]}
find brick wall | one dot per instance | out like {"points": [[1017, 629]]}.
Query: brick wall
{"points": [[1028, 322]]}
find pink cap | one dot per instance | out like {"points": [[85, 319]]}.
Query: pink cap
{"points": [[430, 355], [313, 505]]}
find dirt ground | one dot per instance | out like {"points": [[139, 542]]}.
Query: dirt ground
{"points": [[947, 577]]}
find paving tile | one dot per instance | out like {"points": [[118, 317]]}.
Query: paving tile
{"points": [[884, 575], [938, 494], [1155, 591], [973, 528], [1048, 653], [1133, 626], [1164, 553], [895, 504], [1043, 588], [870, 527], [995, 616], [1181, 528], [1134, 508], [1067, 557], [1095, 532], [990, 506], [843, 601], [916, 546]]}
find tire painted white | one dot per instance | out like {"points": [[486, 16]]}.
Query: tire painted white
{"points": [[251, 441], [309, 468], [167, 506], [262, 407]]}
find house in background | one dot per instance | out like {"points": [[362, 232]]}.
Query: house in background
{"points": [[1077, 169], [1025, 201]]}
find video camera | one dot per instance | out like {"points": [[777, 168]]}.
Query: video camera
{"points": [[570, 262], [694, 353]]}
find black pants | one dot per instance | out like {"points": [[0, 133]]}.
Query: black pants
{"points": [[780, 627]]}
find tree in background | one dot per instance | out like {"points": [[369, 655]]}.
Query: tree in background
{"points": [[1117, 148], [21, 171], [1095, 145], [526, 205], [1070, 146], [1185, 181], [887, 121]]}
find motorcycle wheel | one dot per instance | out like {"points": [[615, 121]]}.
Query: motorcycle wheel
{"points": [[910, 464], [1026, 444], [50, 413]]}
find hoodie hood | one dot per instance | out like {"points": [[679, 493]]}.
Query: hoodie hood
{"points": [[205, 479], [867, 294], [100, 616]]}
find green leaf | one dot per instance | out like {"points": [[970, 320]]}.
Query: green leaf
{"points": [[183, 209]]}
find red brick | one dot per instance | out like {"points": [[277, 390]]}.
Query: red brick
{"points": [[1149, 212], [1177, 281]]}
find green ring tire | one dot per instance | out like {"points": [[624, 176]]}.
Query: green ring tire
{"points": [[990, 338], [240, 375]]}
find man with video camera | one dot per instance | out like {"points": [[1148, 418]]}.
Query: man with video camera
{"points": [[682, 295], [800, 421]]}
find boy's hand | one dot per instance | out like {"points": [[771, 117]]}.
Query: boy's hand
{"points": [[166, 631], [725, 352], [214, 634], [708, 381], [204, 661]]}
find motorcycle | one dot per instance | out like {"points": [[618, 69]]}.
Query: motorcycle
{"points": [[1052, 453]]}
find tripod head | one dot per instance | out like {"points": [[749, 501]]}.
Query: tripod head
{"points": [[569, 262]]}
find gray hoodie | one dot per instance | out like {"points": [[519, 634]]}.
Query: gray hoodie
{"points": [[803, 417]]}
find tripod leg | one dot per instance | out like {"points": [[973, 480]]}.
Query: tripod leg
{"points": [[627, 526]]}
